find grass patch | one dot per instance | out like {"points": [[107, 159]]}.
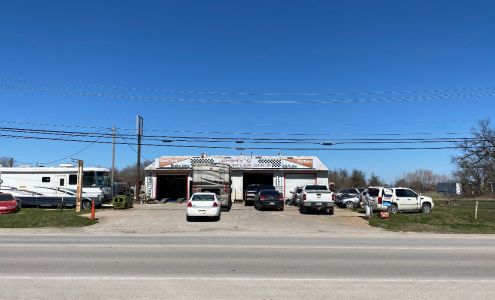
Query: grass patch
{"points": [[33, 217], [456, 218]]}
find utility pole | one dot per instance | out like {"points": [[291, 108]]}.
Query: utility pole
{"points": [[139, 128], [112, 179], [80, 164]]}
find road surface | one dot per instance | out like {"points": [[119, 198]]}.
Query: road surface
{"points": [[247, 267]]}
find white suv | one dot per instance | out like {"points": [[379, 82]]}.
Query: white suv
{"points": [[404, 199]]}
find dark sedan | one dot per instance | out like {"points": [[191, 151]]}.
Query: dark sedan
{"points": [[269, 199]]}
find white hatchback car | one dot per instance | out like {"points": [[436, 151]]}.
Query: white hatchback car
{"points": [[203, 205]]}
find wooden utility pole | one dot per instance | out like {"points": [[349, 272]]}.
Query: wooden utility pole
{"points": [[80, 164], [139, 128], [112, 179]]}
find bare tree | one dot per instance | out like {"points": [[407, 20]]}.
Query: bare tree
{"points": [[421, 180], [358, 178], [128, 173], [375, 180], [6, 161], [475, 166]]}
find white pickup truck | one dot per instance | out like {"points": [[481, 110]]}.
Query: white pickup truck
{"points": [[316, 197]]}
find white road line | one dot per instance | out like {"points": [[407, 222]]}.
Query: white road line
{"points": [[222, 246], [271, 279]]}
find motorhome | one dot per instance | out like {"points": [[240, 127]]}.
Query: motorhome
{"points": [[95, 181], [214, 178]]}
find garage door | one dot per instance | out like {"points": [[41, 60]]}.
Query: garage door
{"points": [[294, 180]]}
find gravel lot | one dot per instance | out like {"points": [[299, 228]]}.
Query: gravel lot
{"points": [[171, 218]]}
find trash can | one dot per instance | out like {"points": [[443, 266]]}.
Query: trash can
{"points": [[121, 202]]}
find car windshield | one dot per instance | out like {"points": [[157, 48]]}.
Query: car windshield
{"points": [[6, 197], [252, 187], [203, 198], [316, 188], [266, 187]]}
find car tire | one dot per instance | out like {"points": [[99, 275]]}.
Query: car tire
{"points": [[281, 208], [189, 219], [349, 204], [303, 210], [393, 209], [86, 205], [426, 208], [331, 211]]}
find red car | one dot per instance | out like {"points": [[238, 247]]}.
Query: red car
{"points": [[8, 204]]}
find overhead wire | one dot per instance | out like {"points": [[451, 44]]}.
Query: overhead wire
{"points": [[73, 154], [244, 132], [231, 147], [238, 139]]}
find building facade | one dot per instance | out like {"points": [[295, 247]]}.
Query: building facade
{"points": [[169, 177]]}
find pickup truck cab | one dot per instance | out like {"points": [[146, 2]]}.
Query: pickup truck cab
{"points": [[316, 197]]}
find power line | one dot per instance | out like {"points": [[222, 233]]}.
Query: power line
{"points": [[239, 140], [230, 147], [130, 146], [71, 155], [243, 132]]}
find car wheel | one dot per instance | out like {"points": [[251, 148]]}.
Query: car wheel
{"points": [[281, 208], [86, 205], [349, 204], [188, 218], [303, 209], [331, 211], [393, 209], [426, 208]]}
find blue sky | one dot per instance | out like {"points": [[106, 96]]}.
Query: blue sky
{"points": [[52, 52]]}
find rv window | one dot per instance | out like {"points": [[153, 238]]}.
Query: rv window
{"points": [[45, 179], [72, 179], [62, 181]]}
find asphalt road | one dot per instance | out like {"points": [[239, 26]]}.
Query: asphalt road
{"points": [[247, 267]]}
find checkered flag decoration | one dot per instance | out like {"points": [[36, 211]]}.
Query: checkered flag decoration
{"points": [[202, 161], [276, 163]]}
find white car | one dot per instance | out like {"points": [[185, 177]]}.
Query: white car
{"points": [[203, 205]]}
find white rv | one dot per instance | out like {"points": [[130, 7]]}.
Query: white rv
{"points": [[96, 181]]}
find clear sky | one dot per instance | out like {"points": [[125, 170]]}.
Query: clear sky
{"points": [[97, 63]]}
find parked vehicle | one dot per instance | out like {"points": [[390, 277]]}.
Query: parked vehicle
{"points": [[252, 191], [213, 178], [9, 204], [404, 199], [49, 197], [348, 197], [121, 202], [296, 196], [95, 181], [317, 198], [203, 205], [379, 196], [350, 202], [269, 199]]}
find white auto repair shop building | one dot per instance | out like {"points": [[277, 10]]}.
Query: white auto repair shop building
{"points": [[170, 176]]}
